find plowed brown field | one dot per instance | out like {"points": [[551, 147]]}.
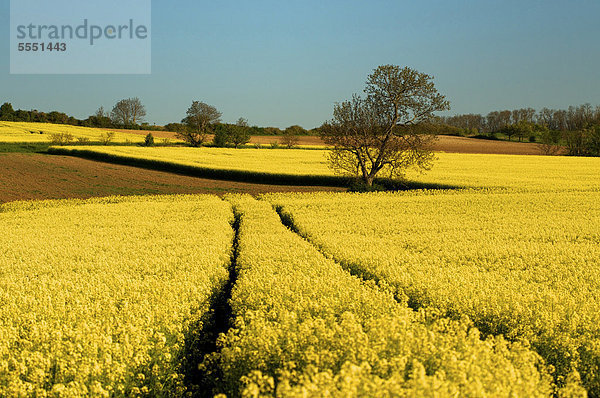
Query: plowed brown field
{"points": [[38, 176]]}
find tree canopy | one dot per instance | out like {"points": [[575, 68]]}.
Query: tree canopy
{"points": [[128, 112], [199, 119], [378, 133]]}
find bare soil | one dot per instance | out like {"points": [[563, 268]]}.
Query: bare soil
{"points": [[37, 176], [447, 143]]}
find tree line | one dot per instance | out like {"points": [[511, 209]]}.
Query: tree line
{"points": [[572, 119], [576, 128], [202, 120], [128, 113], [131, 114]]}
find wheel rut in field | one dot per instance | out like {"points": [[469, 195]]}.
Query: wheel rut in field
{"points": [[288, 221], [486, 327], [201, 375]]}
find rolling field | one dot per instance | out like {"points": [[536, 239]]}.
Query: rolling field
{"points": [[34, 176], [490, 289], [522, 172], [514, 172], [298, 162], [302, 326], [522, 264], [117, 297], [444, 143], [20, 132]]}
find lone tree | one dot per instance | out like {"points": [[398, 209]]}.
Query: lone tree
{"points": [[7, 112], [240, 133], [380, 133], [127, 112], [199, 120], [290, 136]]}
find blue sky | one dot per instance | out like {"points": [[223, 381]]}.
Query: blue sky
{"points": [[279, 63]]}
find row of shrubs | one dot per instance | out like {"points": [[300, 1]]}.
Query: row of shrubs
{"points": [[105, 138]]}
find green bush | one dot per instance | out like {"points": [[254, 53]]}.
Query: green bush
{"points": [[61, 138], [106, 138], [149, 140]]}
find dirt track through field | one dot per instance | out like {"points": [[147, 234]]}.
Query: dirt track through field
{"points": [[38, 176]]}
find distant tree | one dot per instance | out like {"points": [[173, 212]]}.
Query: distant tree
{"points": [[149, 140], [296, 130], [221, 136], [290, 136], [240, 133], [242, 122], [523, 114], [550, 141], [374, 134], [584, 142], [100, 112], [316, 131], [22, 116], [95, 121], [128, 112], [524, 129], [7, 112], [232, 134], [107, 137], [255, 130], [121, 113], [272, 131], [174, 127], [544, 118], [593, 141], [200, 117], [58, 117], [575, 142]]}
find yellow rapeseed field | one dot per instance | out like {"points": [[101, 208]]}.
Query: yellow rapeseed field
{"points": [[522, 172], [521, 264], [302, 326], [97, 296], [274, 161], [22, 132], [517, 172]]}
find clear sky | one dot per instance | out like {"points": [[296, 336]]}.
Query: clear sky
{"points": [[284, 62]]}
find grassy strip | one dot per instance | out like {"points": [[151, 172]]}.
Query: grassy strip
{"points": [[305, 327], [238, 175], [23, 147]]}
